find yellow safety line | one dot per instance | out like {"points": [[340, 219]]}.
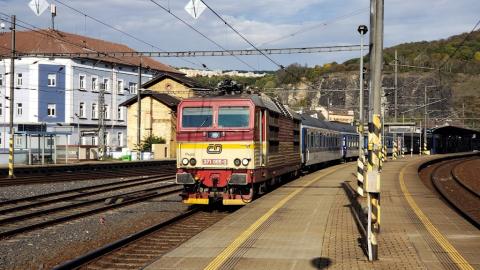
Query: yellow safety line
{"points": [[230, 249], [437, 235]]}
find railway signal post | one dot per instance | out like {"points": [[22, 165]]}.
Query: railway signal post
{"points": [[374, 128], [362, 29]]}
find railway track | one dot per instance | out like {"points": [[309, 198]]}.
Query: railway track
{"points": [[452, 187], [27, 214], [139, 250], [78, 176]]}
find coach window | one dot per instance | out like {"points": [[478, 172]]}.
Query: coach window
{"points": [[238, 117], [197, 117]]}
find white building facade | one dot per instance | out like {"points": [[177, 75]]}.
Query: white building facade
{"points": [[65, 92]]}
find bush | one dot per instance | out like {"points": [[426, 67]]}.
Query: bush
{"points": [[146, 144]]}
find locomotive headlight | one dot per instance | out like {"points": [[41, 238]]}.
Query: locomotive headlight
{"points": [[185, 161], [193, 162], [237, 162], [245, 161]]}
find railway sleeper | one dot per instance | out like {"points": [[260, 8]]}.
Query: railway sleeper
{"points": [[126, 198]]}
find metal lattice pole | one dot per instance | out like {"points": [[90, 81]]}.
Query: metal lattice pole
{"points": [[11, 154]]}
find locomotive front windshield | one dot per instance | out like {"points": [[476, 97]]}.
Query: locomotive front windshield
{"points": [[237, 117], [197, 117]]}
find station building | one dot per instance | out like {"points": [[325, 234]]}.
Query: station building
{"points": [[64, 91], [159, 99]]}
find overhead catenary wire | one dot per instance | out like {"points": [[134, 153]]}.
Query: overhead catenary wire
{"points": [[199, 32], [43, 32], [120, 30], [242, 36], [316, 26]]}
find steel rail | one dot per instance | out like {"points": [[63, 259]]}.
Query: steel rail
{"points": [[61, 219], [101, 189]]}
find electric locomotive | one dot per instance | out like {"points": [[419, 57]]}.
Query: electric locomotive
{"points": [[230, 148]]}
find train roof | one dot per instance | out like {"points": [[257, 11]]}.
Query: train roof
{"points": [[259, 100], [315, 122]]}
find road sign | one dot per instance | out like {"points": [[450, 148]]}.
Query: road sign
{"points": [[195, 8], [38, 6]]}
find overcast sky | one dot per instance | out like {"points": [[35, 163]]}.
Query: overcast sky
{"points": [[266, 23]]}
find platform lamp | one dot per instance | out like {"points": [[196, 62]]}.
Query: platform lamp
{"points": [[361, 161]]}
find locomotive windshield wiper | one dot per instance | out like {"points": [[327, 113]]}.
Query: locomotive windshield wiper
{"points": [[204, 121]]}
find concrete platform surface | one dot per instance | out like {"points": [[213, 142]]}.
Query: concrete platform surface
{"points": [[308, 224]]}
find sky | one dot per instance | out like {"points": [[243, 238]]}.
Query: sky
{"points": [[266, 23]]}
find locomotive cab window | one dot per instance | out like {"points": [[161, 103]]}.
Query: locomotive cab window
{"points": [[238, 117], [197, 117]]}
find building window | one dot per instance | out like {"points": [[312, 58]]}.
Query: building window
{"points": [[81, 110], [106, 112], [120, 115], [94, 140], [52, 80], [1, 79], [120, 86], [94, 111], [18, 141], [19, 79], [94, 84], [82, 79], [1, 109], [132, 87], [106, 85], [120, 139], [52, 110], [107, 138], [19, 109]]}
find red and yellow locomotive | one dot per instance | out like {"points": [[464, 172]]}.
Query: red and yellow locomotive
{"points": [[231, 147]]}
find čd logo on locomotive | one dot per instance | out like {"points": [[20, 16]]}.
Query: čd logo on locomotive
{"points": [[214, 148]]}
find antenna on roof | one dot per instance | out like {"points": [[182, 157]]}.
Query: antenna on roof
{"points": [[53, 11]]}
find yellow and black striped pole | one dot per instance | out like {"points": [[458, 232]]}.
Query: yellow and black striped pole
{"points": [[384, 153], [394, 150], [372, 179], [11, 99], [373, 166], [10, 157]]}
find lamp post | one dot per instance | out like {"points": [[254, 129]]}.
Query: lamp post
{"points": [[362, 29]]}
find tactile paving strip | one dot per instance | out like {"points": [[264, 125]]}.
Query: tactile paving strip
{"points": [[342, 243]]}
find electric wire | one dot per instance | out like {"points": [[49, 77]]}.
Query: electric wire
{"points": [[200, 33], [242, 36], [121, 31]]}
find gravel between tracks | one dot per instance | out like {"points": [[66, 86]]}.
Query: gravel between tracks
{"points": [[45, 248], [22, 191], [468, 173]]}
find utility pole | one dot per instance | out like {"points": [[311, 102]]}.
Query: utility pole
{"points": [[362, 29], [101, 122], [11, 154], [139, 105], [396, 84], [395, 138], [425, 121], [374, 128]]}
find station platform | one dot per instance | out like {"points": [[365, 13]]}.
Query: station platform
{"points": [[308, 224]]}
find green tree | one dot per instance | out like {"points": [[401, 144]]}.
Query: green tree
{"points": [[146, 144]]}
